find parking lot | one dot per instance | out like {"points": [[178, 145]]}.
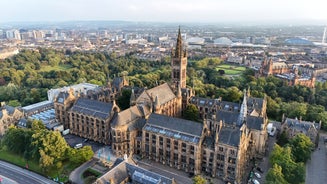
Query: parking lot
{"points": [[73, 140]]}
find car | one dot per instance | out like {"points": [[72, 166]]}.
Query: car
{"points": [[259, 169], [257, 175], [254, 181], [79, 145]]}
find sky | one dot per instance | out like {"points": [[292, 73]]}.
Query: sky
{"points": [[164, 10]]}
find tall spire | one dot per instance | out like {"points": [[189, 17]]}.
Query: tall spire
{"points": [[244, 110], [179, 47]]}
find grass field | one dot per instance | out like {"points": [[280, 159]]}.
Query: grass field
{"points": [[15, 159], [19, 161], [231, 69], [47, 68]]}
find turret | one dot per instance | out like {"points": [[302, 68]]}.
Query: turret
{"points": [[179, 91], [132, 100], [156, 104]]}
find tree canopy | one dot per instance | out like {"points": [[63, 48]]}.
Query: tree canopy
{"points": [[191, 113]]}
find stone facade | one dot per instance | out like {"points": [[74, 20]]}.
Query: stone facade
{"points": [[162, 100], [230, 135], [287, 73], [91, 119], [8, 116], [216, 110], [292, 127], [173, 142]]}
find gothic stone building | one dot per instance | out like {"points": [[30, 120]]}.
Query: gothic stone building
{"points": [[162, 100], [287, 73], [215, 110], [126, 130], [91, 119], [173, 142], [292, 127], [221, 146], [8, 116]]}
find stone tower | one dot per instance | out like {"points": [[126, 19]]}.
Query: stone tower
{"points": [[178, 64]]}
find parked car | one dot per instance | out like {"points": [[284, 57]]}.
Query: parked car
{"points": [[257, 175], [254, 181], [259, 169], [78, 146]]}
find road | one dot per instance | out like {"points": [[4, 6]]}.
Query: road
{"points": [[316, 167], [76, 176], [15, 174]]}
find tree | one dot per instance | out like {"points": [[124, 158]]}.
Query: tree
{"points": [[293, 172], [14, 103], [199, 180], [301, 147], [37, 125], [51, 148], [282, 139], [275, 175], [191, 112], [124, 100]]}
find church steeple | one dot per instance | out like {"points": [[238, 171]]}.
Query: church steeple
{"points": [[243, 110], [179, 64], [179, 46]]}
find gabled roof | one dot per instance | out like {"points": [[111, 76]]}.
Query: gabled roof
{"points": [[9, 110], [93, 108], [130, 115], [227, 117], [163, 91], [301, 125], [230, 136], [62, 96], [177, 124], [253, 122]]}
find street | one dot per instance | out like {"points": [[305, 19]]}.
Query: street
{"points": [[15, 174], [316, 167]]}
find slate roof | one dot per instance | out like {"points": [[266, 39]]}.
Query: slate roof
{"points": [[93, 108], [163, 91], [177, 124], [116, 175], [127, 116], [230, 136], [255, 103], [118, 81], [252, 104], [124, 169], [62, 96], [10, 110], [227, 117], [301, 125], [253, 122], [140, 175]]}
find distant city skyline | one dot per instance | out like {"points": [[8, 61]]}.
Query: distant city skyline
{"points": [[165, 10]]}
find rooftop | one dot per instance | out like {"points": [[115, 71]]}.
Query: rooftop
{"points": [[93, 108]]}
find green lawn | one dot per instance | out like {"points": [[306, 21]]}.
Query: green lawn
{"points": [[231, 69], [15, 159], [19, 161], [47, 68]]}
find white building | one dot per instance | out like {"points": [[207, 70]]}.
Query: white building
{"points": [[78, 88]]}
